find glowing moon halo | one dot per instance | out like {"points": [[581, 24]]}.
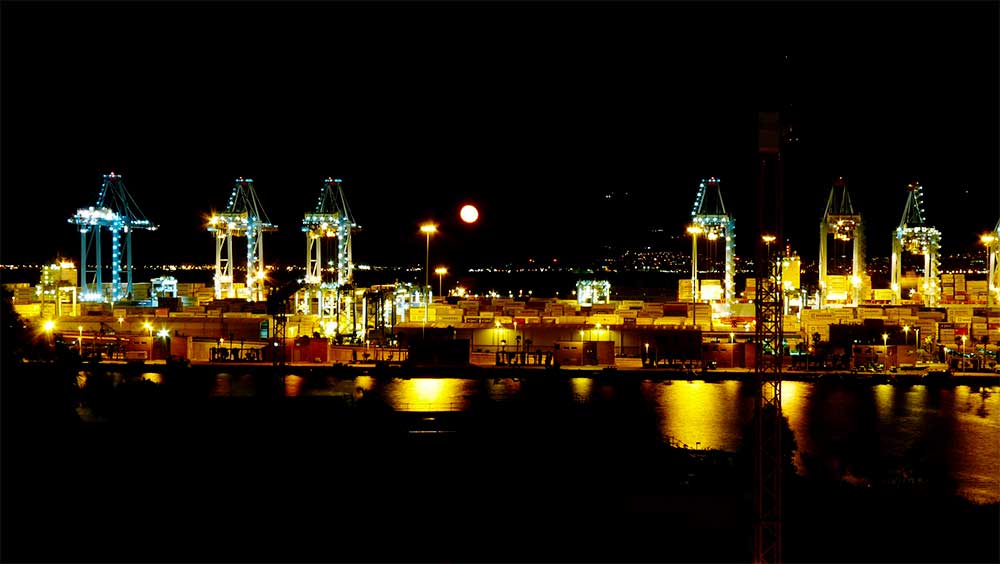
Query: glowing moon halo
{"points": [[469, 213]]}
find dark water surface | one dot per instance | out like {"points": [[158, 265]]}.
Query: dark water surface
{"points": [[360, 468]]}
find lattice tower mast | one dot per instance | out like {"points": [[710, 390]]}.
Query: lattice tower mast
{"points": [[844, 224], [244, 217], [993, 269], [768, 339], [915, 236], [715, 223], [116, 210]]}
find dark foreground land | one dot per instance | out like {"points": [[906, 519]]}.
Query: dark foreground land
{"points": [[173, 476]]}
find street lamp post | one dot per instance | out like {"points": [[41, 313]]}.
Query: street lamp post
{"points": [[988, 240], [964, 338], [427, 229], [885, 352], [149, 328], [694, 230], [49, 326], [440, 271]]}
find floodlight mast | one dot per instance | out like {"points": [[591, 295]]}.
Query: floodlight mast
{"points": [[118, 211]]}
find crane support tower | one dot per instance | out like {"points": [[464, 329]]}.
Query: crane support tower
{"points": [[841, 221], [915, 236], [332, 219], [117, 211], [709, 215], [993, 268], [244, 217], [768, 337]]}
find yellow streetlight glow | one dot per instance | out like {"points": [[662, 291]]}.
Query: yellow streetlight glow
{"points": [[988, 239], [768, 238], [440, 271], [694, 230], [428, 228], [49, 325]]}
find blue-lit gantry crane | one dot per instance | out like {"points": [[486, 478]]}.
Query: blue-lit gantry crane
{"points": [[709, 218], [117, 211], [841, 221], [244, 217], [322, 294], [915, 236]]}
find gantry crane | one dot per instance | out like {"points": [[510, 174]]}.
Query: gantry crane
{"points": [[244, 217], [709, 217], [915, 236], [844, 224], [332, 218], [116, 210]]}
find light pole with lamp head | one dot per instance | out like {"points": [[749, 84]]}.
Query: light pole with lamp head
{"points": [[49, 326], [149, 328], [885, 352], [988, 240], [427, 229], [440, 271], [964, 338], [694, 230]]}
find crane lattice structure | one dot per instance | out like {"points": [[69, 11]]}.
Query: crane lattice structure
{"points": [[709, 213], [332, 218], [915, 236], [768, 338], [117, 211], [841, 221], [993, 268], [244, 217]]}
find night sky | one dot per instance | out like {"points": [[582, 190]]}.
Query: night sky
{"points": [[531, 111]]}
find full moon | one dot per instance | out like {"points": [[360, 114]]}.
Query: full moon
{"points": [[469, 213]]}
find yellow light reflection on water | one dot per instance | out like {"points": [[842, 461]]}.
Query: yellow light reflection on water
{"points": [[223, 384], [700, 415], [293, 385], [884, 400], [430, 394], [427, 389], [976, 448], [152, 377], [582, 388], [794, 403]]}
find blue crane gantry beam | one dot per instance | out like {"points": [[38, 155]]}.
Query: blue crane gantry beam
{"points": [[117, 211]]}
